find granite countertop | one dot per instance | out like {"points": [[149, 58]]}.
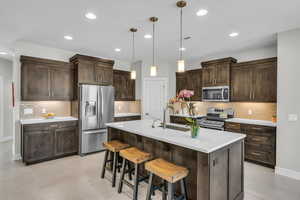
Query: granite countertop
{"points": [[207, 141], [187, 115], [252, 121], [44, 120], [127, 114]]}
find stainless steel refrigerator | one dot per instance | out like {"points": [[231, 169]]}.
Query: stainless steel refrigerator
{"points": [[96, 109]]}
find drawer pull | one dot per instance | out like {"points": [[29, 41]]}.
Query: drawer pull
{"points": [[54, 126], [256, 128], [256, 154]]}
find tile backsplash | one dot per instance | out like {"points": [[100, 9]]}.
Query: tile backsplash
{"points": [[60, 108], [127, 107], [247, 110]]}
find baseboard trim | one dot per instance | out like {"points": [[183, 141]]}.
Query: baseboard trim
{"points": [[287, 172], [17, 157], [6, 139]]}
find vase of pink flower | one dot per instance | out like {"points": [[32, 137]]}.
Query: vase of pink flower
{"points": [[184, 97]]}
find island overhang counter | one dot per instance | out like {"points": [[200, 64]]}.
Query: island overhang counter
{"points": [[215, 159]]}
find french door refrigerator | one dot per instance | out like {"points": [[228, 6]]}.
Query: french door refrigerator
{"points": [[96, 109]]}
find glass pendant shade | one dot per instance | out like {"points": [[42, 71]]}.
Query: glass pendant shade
{"points": [[133, 75], [153, 71], [180, 65]]}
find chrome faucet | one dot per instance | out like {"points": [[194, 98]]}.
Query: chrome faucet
{"points": [[164, 123], [154, 121]]}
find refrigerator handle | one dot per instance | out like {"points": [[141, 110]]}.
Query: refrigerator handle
{"points": [[101, 102]]}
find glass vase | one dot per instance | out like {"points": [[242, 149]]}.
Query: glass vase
{"points": [[194, 131]]}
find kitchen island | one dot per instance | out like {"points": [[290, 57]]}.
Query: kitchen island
{"points": [[215, 159]]}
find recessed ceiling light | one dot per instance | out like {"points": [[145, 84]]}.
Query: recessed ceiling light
{"points": [[147, 36], [117, 50], [202, 12], [3, 53], [68, 37], [90, 15], [233, 34], [182, 49]]}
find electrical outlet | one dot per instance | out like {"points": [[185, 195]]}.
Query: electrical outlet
{"points": [[28, 111], [293, 117], [249, 112], [44, 111]]}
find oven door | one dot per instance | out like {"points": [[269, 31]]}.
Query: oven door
{"points": [[220, 93]]}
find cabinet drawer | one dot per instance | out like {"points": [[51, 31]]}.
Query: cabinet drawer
{"points": [[36, 127], [259, 130], [122, 119], [253, 154], [233, 127], [67, 124], [260, 139]]}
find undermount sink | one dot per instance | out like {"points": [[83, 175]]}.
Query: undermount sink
{"points": [[177, 128]]}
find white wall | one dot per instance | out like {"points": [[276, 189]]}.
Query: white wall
{"points": [[241, 56], [6, 110], [288, 102]]}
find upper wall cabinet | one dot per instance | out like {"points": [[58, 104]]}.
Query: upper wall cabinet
{"points": [[124, 86], [92, 70], [217, 72], [44, 80], [254, 81], [191, 80]]}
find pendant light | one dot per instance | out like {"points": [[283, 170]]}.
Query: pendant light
{"points": [[153, 68], [133, 72], [180, 62]]}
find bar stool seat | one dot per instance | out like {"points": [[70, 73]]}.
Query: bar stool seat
{"points": [[166, 170], [135, 155], [170, 173], [115, 147]]}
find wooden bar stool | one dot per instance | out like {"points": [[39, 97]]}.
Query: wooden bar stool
{"points": [[137, 157], [115, 147], [171, 174]]}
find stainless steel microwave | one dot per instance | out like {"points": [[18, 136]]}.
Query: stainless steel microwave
{"points": [[219, 93]]}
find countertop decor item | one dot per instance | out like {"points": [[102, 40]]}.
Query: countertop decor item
{"points": [[192, 122], [49, 115], [185, 97]]}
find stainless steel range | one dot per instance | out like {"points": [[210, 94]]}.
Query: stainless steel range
{"points": [[215, 118]]}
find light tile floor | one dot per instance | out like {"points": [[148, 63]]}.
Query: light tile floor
{"points": [[77, 178]]}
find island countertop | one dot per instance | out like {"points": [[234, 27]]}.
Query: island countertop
{"points": [[207, 141]]}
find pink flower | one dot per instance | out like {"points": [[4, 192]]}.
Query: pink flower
{"points": [[186, 93]]}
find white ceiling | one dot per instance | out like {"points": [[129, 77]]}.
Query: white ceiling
{"points": [[46, 22]]}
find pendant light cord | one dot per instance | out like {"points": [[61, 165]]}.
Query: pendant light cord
{"points": [[181, 34], [153, 43], [133, 48]]}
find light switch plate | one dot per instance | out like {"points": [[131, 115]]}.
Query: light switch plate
{"points": [[249, 112], [28, 111], [293, 117], [44, 110]]}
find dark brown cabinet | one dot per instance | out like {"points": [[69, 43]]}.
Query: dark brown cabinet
{"points": [[48, 141], [44, 80], [217, 72], [92, 70], [254, 81], [260, 143], [129, 118], [124, 86], [191, 80]]}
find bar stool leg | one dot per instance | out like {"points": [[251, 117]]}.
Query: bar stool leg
{"points": [[114, 169], [164, 190], [104, 164], [170, 191], [149, 189], [136, 181], [122, 176], [183, 188], [130, 171]]}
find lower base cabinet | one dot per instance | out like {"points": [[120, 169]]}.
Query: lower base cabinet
{"points": [[48, 141], [260, 143], [129, 118]]}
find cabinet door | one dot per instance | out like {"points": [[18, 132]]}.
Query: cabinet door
{"points": [[222, 75], [181, 81], [194, 82], [66, 141], [35, 84], [208, 76], [103, 74], [62, 84], [241, 84], [86, 71], [38, 145], [265, 83]]}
